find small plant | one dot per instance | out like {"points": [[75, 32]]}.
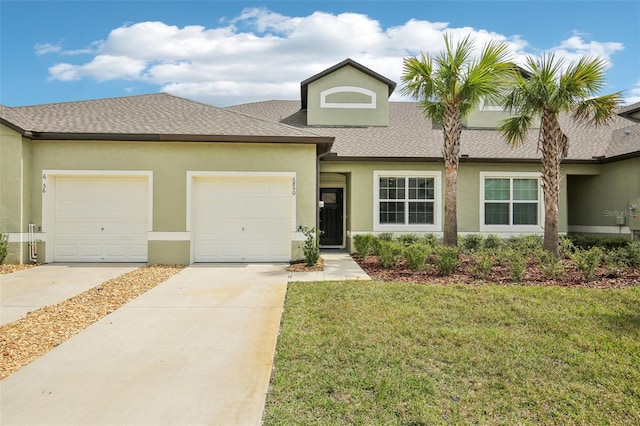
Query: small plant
{"points": [[416, 256], [615, 260], [492, 241], [386, 236], [633, 254], [588, 261], [472, 242], [4, 246], [407, 239], [567, 248], [447, 259], [311, 247], [517, 264], [429, 239], [390, 252], [526, 244], [483, 262], [363, 243], [551, 266]]}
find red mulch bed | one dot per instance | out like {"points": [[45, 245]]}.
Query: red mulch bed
{"points": [[500, 275]]}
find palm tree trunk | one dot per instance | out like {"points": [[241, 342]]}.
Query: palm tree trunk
{"points": [[452, 127], [553, 146]]}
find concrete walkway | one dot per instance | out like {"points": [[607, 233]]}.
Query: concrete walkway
{"points": [[338, 266], [30, 289], [195, 350]]}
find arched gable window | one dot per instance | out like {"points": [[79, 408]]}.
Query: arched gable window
{"points": [[368, 97]]}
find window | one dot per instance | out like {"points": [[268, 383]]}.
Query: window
{"points": [[405, 201], [490, 105], [510, 201]]}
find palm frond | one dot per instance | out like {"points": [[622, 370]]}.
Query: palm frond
{"points": [[515, 128], [598, 111]]}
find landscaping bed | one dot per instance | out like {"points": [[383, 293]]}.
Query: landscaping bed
{"points": [[24, 340]]}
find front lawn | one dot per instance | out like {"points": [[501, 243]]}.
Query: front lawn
{"points": [[411, 354]]}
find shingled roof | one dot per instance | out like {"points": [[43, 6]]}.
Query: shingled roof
{"points": [[149, 117], [411, 136]]}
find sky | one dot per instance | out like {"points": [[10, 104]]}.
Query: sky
{"points": [[231, 52]]}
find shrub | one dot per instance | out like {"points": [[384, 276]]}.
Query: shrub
{"points": [[588, 241], [517, 264], [588, 261], [633, 254], [566, 247], [492, 241], [4, 246], [551, 266], [363, 243], [615, 261], [483, 262], [407, 239], [416, 256], [472, 242], [447, 259], [311, 247], [386, 236], [390, 252], [429, 239], [526, 244]]}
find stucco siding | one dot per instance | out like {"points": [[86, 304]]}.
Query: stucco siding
{"points": [[167, 165]]}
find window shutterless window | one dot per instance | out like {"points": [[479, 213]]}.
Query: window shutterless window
{"points": [[511, 201], [406, 200]]}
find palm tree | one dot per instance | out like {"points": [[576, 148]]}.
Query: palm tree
{"points": [[544, 90], [448, 86]]}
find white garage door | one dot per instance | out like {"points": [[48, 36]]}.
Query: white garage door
{"points": [[242, 219], [100, 219]]}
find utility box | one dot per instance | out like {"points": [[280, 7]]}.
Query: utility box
{"points": [[634, 214]]}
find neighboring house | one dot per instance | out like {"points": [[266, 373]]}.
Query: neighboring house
{"points": [[160, 179]]}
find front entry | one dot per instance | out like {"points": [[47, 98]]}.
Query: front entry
{"points": [[332, 217]]}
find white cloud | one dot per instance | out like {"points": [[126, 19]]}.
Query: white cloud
{"points": [[262, 55], [633, 95]]}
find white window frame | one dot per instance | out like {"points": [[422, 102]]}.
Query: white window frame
{"points": [[484, 107], [519, 229], [437, 208]]}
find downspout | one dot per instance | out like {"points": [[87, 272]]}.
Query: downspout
{"points": [[33, 248]]}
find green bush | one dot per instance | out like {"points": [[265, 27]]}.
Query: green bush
{"points": [[4, 246], [482, 263], [567, 248], [517, 264], [588, 261], [588, 241], [633, 254], [311, 247], [616, 261], [386, 236], [407, 239], [492, 241], [551, 266], [447, 259], [472, 242], [429, 239], [416, 256], [390, 252], [526, 244], [363, 243]]}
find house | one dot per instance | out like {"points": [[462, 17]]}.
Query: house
{"points": [[161, 179]]}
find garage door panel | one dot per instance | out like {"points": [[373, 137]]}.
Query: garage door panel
{"points": [[100, 219], [242, 219]]}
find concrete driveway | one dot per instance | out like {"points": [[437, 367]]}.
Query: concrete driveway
{"points": [[195, 350], [30, 289]]}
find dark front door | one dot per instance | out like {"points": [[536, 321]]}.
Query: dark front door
{"points": [[331, 217]]}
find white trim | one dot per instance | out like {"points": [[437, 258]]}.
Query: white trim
{"points": [[169, 236], [613, 229], [437, 208], [512, 229], [483, 107], [349, 105], [48, 197]]}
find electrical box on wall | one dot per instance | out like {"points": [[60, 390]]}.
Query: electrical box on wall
{"points": [[634, 214]]}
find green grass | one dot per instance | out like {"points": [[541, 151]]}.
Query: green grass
{"points": [[402, 354]]}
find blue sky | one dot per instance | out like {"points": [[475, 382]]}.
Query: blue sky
{"points": [[228, 52]]}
